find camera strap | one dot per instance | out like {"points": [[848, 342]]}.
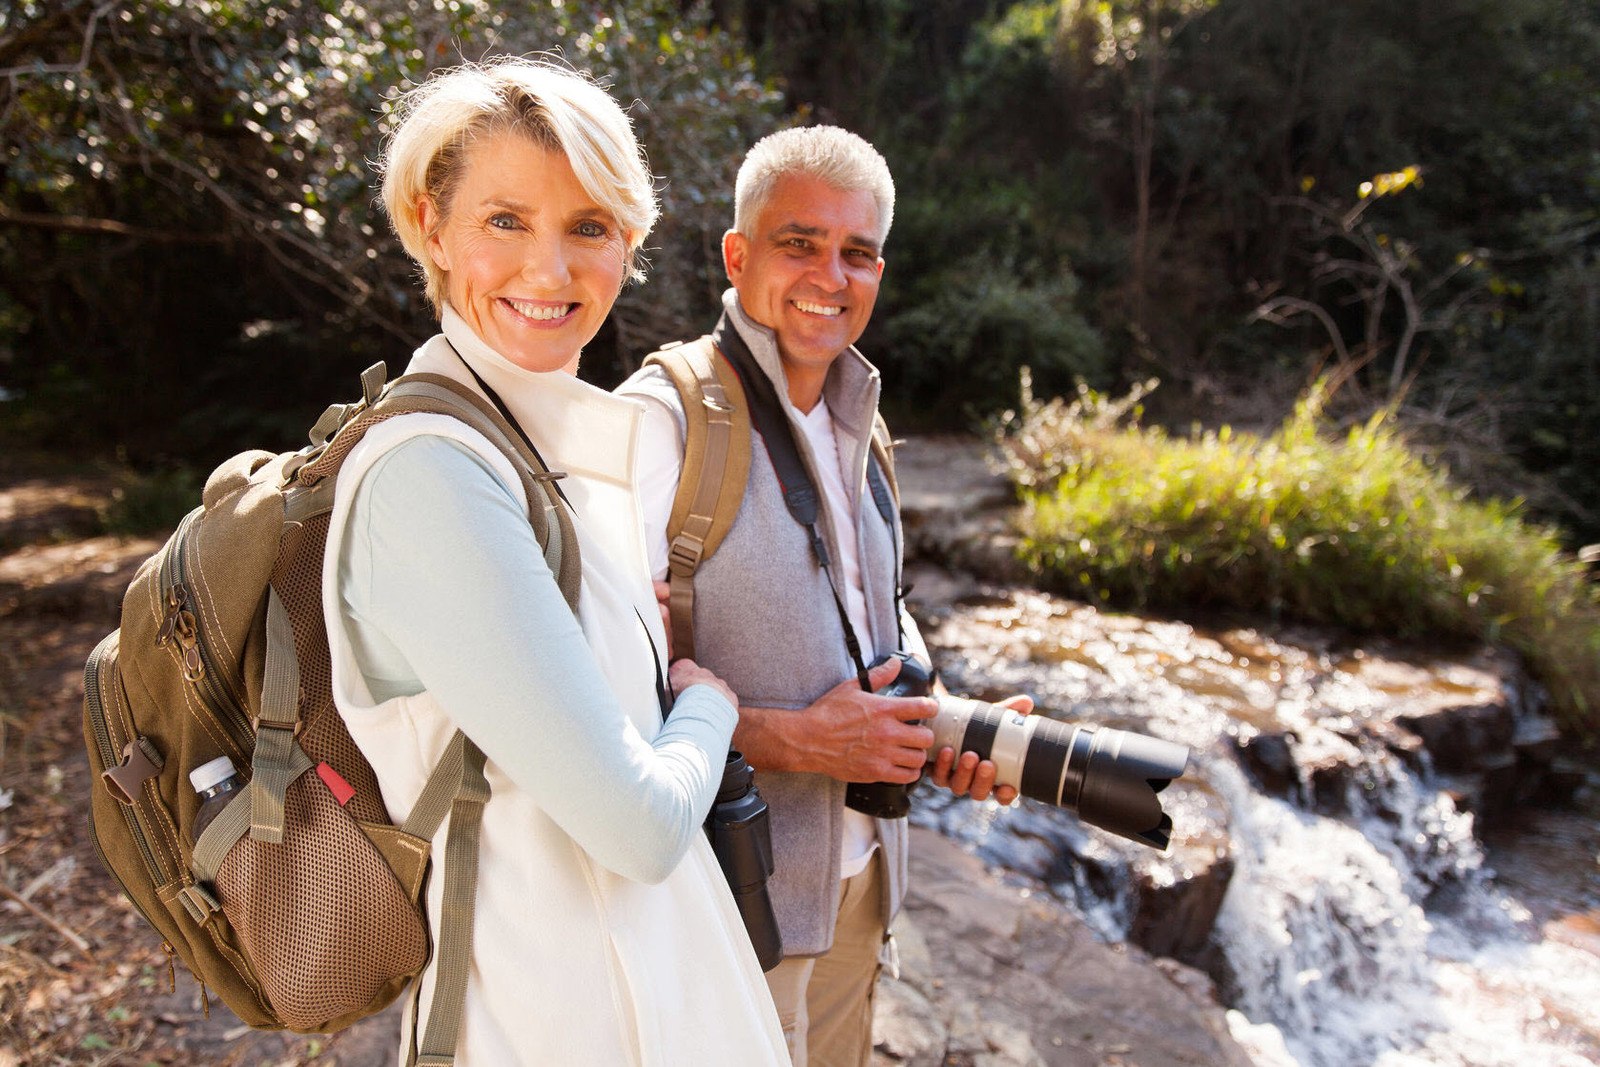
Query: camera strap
{"points": [[799, 491]]}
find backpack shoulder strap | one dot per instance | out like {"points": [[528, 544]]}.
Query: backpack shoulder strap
{"points": [[437, 394], [716, 466], [883, 450]]}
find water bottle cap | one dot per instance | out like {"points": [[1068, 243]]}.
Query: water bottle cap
{"points": [[211, 774]]}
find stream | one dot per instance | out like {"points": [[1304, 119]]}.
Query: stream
{"points": [[1359, 891]]}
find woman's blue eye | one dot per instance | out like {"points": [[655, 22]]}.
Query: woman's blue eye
{"points": [[590, 228], [503, 221]]}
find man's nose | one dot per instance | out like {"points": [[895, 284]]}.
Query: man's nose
{"points": [[829, 272]]}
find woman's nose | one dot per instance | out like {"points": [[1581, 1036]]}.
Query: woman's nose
{"points": [[546, 265]]}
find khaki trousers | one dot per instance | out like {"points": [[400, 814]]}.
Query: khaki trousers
{"points": [[825, 1002]]}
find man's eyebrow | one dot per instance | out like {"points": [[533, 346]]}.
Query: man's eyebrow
{"points": [[795, 229]]}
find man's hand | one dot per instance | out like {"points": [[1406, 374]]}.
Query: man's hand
{"points": [[970, 775], [846, 733]]}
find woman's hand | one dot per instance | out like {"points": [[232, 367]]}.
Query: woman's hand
{"points": [[686, 672]]}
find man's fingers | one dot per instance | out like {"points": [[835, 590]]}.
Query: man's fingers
{"points": [[913, 709], [982, 782], [1021, 702]]}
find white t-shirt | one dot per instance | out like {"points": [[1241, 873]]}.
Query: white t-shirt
{"points": [[860, 834]]}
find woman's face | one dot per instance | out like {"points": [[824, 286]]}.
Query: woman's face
{"points": [[532, 263]]}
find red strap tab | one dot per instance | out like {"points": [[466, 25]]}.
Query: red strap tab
{"points": [[342, 790]]}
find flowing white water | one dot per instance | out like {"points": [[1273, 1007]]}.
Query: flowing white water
{"points": [[1377, 936]]}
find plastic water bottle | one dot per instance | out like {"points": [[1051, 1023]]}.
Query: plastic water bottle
{"points": [[216, 782]]}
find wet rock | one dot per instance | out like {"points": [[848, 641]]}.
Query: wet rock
{"points": [[1269, 759], [1463, 737], [1175, 919], [997, 974]]}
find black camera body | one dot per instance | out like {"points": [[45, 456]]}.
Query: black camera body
{"points": [[741, 837], [1110, 778]]}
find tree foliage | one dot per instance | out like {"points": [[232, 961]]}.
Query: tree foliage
{"points": [[1094, 189], [189, 206]]}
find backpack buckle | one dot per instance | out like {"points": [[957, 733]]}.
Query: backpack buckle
{"points": [[141, 761], [200, 904], [684, 555], [257, 722]]}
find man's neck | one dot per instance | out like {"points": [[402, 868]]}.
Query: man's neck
{"points": [[805, 386]]}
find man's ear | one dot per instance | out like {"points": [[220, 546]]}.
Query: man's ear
{"points": [[735, 249], [428, 221]]}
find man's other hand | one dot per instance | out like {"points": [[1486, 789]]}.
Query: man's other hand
{"points": [[970, 776]]}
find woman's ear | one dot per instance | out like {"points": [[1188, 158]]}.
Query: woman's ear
{"points": [[429, 222]]}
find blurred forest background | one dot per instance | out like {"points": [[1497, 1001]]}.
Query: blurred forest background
{"points": [[1237, 197]]}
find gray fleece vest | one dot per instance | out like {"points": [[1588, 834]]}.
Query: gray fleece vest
{"points": [[766, 623]]}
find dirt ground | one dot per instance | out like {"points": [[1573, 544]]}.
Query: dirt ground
{"points": [[83, 979]]}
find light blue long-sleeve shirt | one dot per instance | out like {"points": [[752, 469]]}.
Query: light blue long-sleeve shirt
{"points": [[446, 590]]}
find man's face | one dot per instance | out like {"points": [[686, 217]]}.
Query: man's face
{"points": [[809, 270]]}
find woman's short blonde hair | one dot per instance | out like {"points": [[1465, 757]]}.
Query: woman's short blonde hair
{"points": [[540, 98], [832, 155]]}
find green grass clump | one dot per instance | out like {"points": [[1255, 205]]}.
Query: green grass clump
{"points": [[150, 502], [1354, 530]]}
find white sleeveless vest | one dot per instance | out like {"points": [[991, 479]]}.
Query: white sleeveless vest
{"points": [[572, 964]]}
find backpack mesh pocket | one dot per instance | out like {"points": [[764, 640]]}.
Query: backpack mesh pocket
{"points": [[329, 928]]}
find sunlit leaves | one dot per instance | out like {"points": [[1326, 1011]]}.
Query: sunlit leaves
{"points": [[1391, 183]]}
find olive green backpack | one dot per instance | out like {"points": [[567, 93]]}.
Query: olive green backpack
{"points": [[301, 905]]}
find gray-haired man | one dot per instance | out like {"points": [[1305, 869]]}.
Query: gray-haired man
{"points": [[812, 211]]}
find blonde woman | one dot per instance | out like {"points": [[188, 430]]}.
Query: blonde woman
{"points": [[604, 930]]}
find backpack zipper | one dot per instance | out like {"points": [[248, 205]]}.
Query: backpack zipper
{"points": [[201, 666], [109, 757]]}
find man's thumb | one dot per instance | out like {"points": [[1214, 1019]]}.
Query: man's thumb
{"points": [[883, 673]]}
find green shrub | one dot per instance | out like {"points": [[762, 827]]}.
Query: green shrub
{"points": [[1353, 530], [153, 502]]}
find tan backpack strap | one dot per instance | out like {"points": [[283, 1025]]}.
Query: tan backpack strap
{"points": [[716, 466], [436, 394], [460, 772], [277, 726], [883, 446]]}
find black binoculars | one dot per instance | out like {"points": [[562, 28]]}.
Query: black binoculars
{"points": [[741, 838]]}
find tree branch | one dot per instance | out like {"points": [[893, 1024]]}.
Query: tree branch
{"points": [[63, 68], [102, 227]]}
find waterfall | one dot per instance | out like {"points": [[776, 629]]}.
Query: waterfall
{"points": [[1361, 923]]}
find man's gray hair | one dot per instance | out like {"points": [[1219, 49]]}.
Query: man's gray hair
{"points": [[830, 154]]}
